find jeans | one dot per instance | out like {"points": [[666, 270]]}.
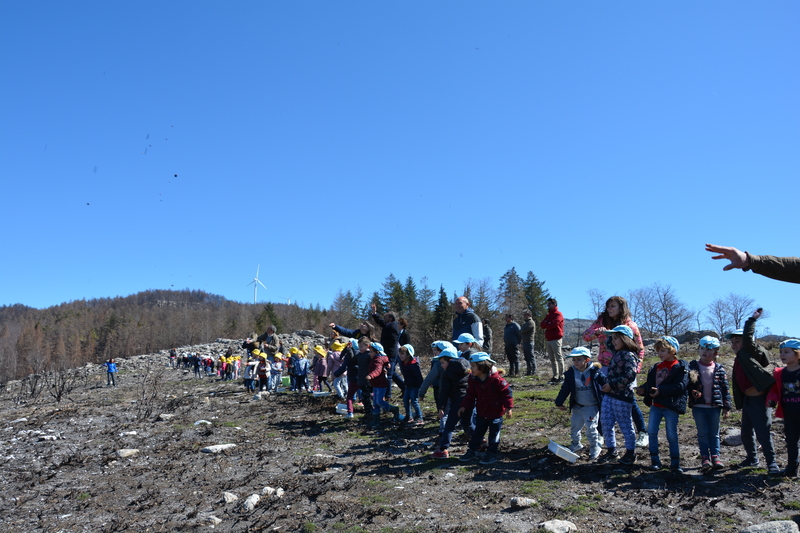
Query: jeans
{"points": [[379, 394], [707, 421], [638, 417], [394, 376], [585, 416], [494, 425], [757, 424], [452, 419], [410, 401], [339, 386], [111, 382], [613, 412], [352, 389], [670, 423]]}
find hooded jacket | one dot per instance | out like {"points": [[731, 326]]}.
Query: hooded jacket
{"points": [[568, 387], [490, 397], [553, 325], [753, 359], [378, 366], [720, 392], [453, 383]]}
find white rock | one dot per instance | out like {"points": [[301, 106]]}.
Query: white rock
{"points": [[166, 416], [127, 434], [204, 422], [733, 437], [251, 502], [18, 421], [229, 497], [558, 526], [48, 437], [268, 491], [127, 452], [279, 493], [217, 448], [518, 503], [778, 526]]}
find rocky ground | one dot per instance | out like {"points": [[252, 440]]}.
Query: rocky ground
{"points": [[107, 459]]}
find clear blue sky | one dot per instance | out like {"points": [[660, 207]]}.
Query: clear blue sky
{"points": [[157, 145]]}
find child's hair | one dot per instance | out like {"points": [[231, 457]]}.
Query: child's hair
{"points": [[403, 323], [404, 351], [628, 344], [660, 344], [363, 341], [624, 313], [485, 367]]}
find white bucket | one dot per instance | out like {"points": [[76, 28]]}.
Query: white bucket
{"points": [[341, 408], [562, 452], [320, 394]]}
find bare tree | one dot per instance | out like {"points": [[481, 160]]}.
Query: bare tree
{"points": [[598, 301], [717, 316], [739, 307], [658, 310]]}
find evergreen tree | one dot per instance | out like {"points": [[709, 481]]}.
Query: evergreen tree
{"points": [[512, 294], [536, 300], [442, 323]]}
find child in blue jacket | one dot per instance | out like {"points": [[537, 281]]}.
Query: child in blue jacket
{"points": [[582, 387]]}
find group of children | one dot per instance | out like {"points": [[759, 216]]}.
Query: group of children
{"points": [[602, 397]]}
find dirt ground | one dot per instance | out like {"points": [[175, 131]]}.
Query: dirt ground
{"points": [[61, 470]]}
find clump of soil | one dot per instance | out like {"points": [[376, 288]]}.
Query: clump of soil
{"points": [[62, 469]]}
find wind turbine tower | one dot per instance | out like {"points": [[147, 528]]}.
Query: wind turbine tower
{"points": [[255, 283]]}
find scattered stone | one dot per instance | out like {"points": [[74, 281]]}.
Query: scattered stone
{"points": [[519, 503], [279, 493], [127, 452], [733, 437], [558, 526], [251, 502], [18, 421], [49, 437], [217, 448], [207, 518], [229, 497], [778, 526], [127, 434], [268, 491], [165, 417], [203, 422]]}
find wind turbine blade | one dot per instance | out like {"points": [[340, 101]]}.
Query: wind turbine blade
{"points": [[257, 269], [262, 284]]}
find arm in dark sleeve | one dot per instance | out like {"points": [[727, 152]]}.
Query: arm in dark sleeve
{"points": [[780, 268]]}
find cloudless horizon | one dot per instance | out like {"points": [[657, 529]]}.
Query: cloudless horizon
{"points": [[179, 145]]}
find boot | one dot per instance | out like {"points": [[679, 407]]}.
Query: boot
{"points": [[791, 469], [395, 410], [376, 420], [610, 455], [675, 465], [629, 458], [655, 462]]}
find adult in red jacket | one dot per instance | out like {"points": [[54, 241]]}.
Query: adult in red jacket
{"points": [[553, 326]]}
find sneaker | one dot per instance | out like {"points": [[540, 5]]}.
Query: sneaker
{"points": [[484, 445], [774, 469], [643, 440], [595, 453], [349, 415], [716, 464], [610, 455], [419, 423], [747, 463], [441, 454], [576, 447], [629, 458], [601, 441], [489, 459], [655, 463], [553, 380], [705, 464], [469, 456]]}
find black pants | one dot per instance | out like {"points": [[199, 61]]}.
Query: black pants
{"points": [[512, 354], [395, 377]]}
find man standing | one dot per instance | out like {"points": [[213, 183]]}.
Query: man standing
{"points": [[487, 336], [511, 339], [390, 336], [528, 332], [553, 326], [466, 321]]}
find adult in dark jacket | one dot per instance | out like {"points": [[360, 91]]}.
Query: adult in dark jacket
{"points": [[364, 330], [404, 337], [511, 340], [466, 321], [390, 340], [751, 383], [779, 268], [452, 389], [487, 336], [528, 331], [350, 365]]}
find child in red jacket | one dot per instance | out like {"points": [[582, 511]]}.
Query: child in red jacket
{"points": [[490, 394], [785, 395]]}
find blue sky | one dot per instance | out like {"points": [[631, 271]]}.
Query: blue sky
{"points": [[157, 145]]}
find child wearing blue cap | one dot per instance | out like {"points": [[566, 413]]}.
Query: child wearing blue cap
{"points": [[666, 395], [412, 376], [490, 395], [581, 386], [785, 395], [709, 398], [617, 403]]}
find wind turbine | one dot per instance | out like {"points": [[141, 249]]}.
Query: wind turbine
{"points": [[255, 283], [288, 299]]}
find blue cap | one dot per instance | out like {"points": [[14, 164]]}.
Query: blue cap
{"points": [[449, 352], [739, 332], [672, 341], [465, 337], [709, 342], [378, 347], [410, 349], [580, 351], [794, 344], [481, 356], [622, 330], [443, 345]]}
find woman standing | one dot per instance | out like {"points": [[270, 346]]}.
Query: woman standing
{"points": [[617, 313]]}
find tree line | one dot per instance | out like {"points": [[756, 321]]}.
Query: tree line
{"points": [[74, 333]]}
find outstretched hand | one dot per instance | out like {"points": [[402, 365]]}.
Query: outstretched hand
{"points": [[737, 258]]}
